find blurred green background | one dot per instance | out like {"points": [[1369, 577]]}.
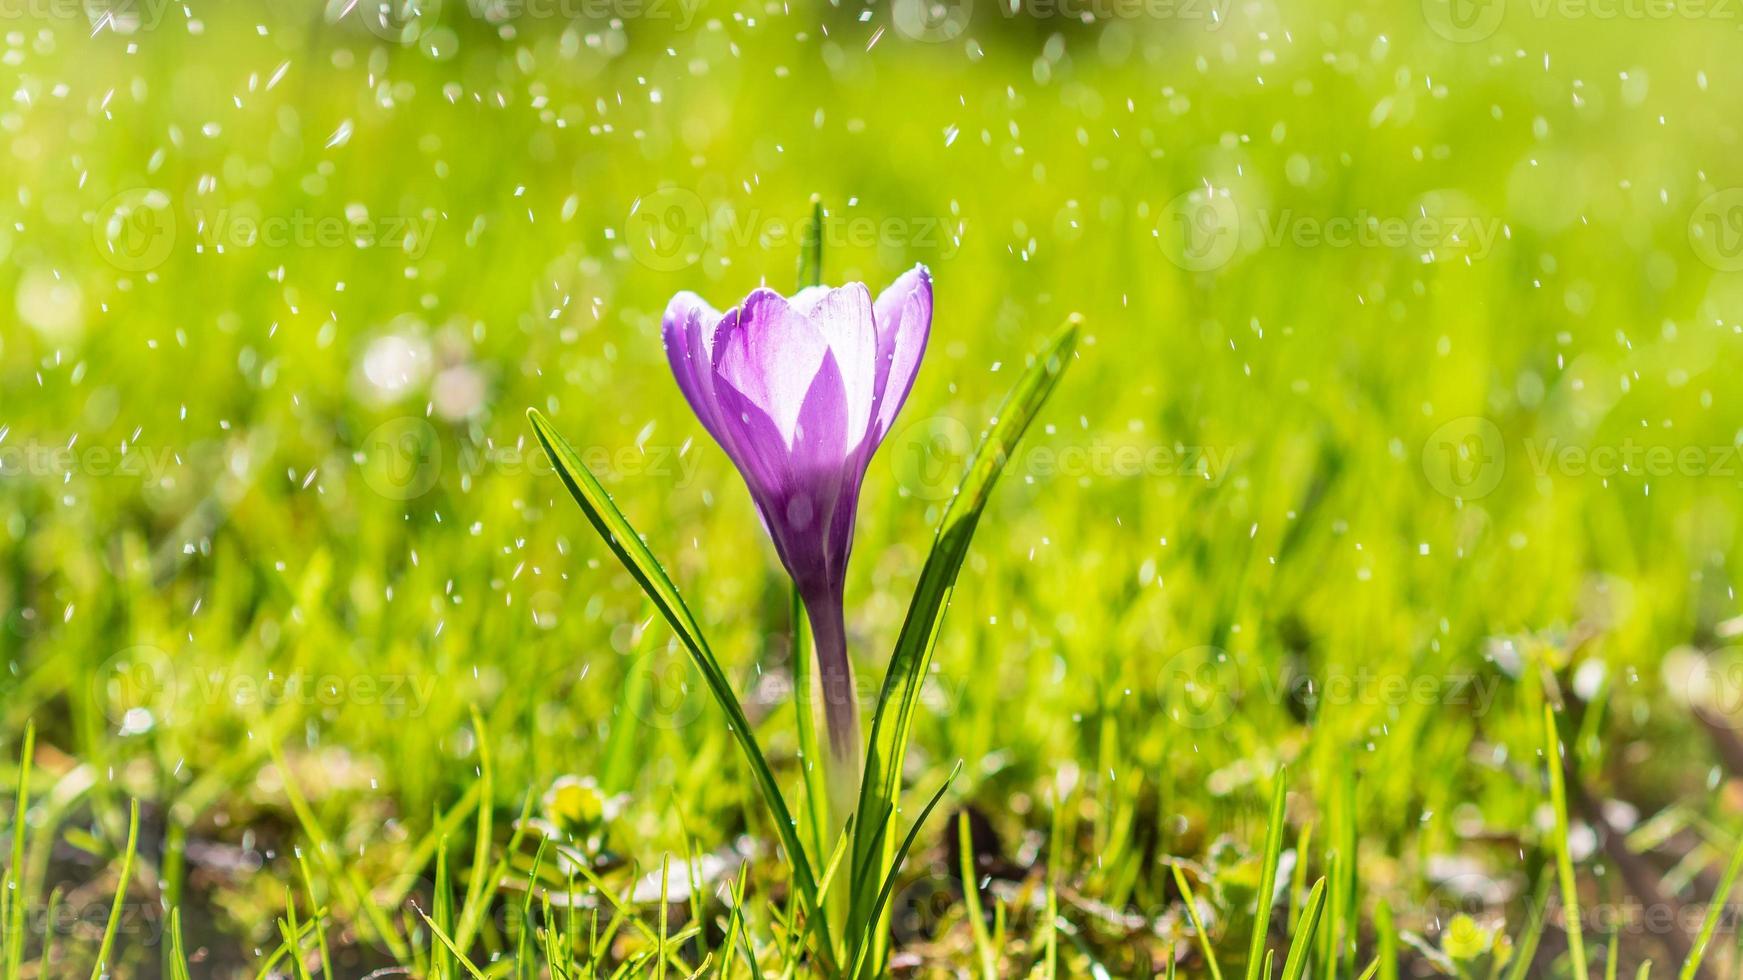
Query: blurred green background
{"points": [[1401, 409]]}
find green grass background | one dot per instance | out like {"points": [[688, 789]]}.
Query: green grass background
{"points": [[268, 525]]}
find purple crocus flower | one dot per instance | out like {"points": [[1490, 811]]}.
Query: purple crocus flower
{"points": [[800, 392]]}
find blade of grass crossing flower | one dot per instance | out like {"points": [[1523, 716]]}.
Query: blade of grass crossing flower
{"points": [[15, 894], [1564, 862], [1645, 971], [1305, 927], [114, 924], [1191, 900], [881, 784], [621, 537], [1610, 956], [1716, 908], [1268, 876]]}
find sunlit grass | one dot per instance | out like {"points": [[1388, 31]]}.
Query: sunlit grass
{"points": [[281, 559]]}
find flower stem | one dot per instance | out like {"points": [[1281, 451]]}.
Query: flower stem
{"points": [[835, 674], [841, 719]]}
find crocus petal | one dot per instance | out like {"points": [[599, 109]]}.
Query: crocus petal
{"points": [[904, 321], [844, 318], [805, 300], [797, 489], [771, 358], [689, 318]]}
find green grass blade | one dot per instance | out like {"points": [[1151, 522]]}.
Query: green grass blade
{"points": [[1564, 862], [1525, 947], [971, 899], [109, 930], [1305, 927], [288, 928], [889, 885], [1387, 940], [15, 874], [442, 905], [811, 247], [448, 944], [481, 888], [1216, 971], [50, 944], [804, 718], [1716, 908], [881, 783], [178, 954], [624, 542], [1268, 876], [315, 914]]}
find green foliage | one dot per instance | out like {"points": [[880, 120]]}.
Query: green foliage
{"points": [[273, 527]]}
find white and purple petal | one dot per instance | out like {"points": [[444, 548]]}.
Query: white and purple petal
{"points": [[904, 322]]}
